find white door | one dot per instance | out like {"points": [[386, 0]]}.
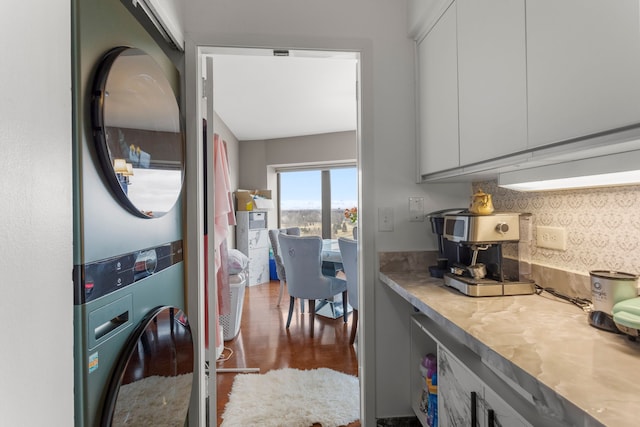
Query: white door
{"points": [[212, 353]]}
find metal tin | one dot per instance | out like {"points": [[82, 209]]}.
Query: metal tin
{"points": [[611, 287]]}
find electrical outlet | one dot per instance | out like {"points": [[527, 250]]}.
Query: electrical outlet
{"points": [[552, 237], [416, 217], [385, 219], [416, 209]]}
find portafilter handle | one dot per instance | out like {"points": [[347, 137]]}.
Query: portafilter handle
{"points": [[475, 249]]}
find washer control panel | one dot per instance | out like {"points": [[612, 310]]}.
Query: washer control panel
{"points": [[99, 278]]}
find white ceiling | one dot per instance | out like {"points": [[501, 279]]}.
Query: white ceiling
{"points": [[262, 96]]}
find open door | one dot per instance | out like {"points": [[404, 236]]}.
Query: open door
{"points": [[213, 339]]}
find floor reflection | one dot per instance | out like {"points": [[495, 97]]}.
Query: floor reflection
{"points": [[155, 384]]}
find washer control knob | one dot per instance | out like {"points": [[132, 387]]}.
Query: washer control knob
{"points": [[502, 228]]}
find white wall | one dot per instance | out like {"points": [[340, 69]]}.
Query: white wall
{"points": [[36, 260], [322, 148], [378, 30], [262, 158], [252, 166]]}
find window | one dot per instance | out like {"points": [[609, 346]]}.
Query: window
{"points": [[315, 201]]}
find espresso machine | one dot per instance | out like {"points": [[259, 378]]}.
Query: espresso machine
{"points": [[492, 253]]}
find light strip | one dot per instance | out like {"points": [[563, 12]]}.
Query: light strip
{"points": [[610, 170]]}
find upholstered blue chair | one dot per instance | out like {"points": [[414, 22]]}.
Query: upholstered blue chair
{"points": [[349, 253], [275, 245], [302, 257]]}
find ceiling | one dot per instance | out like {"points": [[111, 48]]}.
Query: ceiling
{"points": [[262, 96]]}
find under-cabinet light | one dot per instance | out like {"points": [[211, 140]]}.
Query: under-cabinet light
{"points": [[610, 170]]}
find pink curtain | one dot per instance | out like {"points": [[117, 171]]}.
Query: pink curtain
{"points": [[224, 217]]}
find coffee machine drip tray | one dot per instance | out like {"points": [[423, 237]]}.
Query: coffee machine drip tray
{"points": [[487, 287]]}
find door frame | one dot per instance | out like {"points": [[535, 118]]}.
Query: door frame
{"points": [[205, 381]]}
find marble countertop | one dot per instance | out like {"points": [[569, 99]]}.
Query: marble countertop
{"points": [[581, 375]]}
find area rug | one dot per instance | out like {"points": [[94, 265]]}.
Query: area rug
{"points": [[293, 398]]}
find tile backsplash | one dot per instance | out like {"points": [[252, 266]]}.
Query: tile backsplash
{"points": [[603, 225]]}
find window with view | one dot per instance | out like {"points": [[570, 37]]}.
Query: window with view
{"points": [[316, 201]]}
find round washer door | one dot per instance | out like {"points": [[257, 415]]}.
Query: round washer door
{"points": [[151, 384]]}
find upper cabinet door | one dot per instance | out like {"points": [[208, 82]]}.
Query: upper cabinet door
{"points": [[492, 79], [583, 67], [438, 96]]}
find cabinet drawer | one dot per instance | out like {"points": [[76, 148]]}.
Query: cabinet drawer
{"points": [[257, 220], [258, 239], [258, 266]]}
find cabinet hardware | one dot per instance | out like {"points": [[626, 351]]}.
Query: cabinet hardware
{"points": [[474, 399], [491, 418]]}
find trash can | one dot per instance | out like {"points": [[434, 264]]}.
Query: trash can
{"points": [[273, 272], [231, 322]]}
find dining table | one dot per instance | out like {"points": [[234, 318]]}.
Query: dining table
{"points": [[331, 251], [331, 266]]}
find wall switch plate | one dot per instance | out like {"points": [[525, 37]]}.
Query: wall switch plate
{"points": [[416, 209], [385, 219], [552, 237]]}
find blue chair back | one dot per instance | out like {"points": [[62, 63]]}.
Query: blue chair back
{"points": [[275, 245], [349, 253], [302, 257]]}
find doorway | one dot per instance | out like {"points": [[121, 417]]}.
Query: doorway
{"points": [[277, 121]]}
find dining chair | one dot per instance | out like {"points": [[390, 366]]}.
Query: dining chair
{"points": [[302, 257], [275, 245], [349, 253]]}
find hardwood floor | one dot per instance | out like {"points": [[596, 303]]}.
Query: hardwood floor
{"points": [[264, 343]]}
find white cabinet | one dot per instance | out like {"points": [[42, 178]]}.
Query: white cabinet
{"points": [[438, 96], [500, 413], [503, 82], [491, 78], [464, 400], [469, 392], [252, 239], [459, 393], [472, 85], [583, 62]]}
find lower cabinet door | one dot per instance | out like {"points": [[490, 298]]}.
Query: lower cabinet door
{"points": [[460, 393], [258, 266], [499, 413]]}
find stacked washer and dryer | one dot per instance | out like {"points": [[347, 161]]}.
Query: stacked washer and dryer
{"points": [[133, 345]]}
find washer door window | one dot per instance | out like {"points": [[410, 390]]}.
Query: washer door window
{"points": [[138, 131], [151, 385]]}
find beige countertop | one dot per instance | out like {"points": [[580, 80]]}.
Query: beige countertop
{"points": [[581, 375]]}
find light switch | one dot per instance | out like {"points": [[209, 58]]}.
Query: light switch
{"points": [[385, 219]]}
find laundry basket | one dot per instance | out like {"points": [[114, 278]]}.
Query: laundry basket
{"points": [[231, 322]]}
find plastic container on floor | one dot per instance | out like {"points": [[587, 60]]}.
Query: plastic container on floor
{"points": [[231, 322], [273, 273]]}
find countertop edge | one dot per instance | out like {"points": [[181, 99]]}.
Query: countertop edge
{"points": [[548, 402]]}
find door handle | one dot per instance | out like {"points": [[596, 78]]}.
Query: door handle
{"points": [[474, 400], [491, 418]]}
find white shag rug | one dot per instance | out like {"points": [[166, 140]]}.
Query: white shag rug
{"points": [[293, 398]]}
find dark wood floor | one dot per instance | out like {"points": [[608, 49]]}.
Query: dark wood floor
{"points": [[263, 342]]}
